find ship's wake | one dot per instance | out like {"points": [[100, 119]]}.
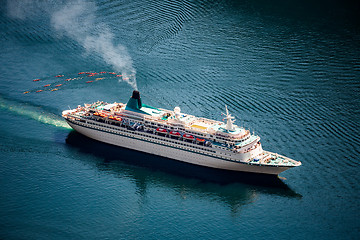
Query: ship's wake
{"points": [[31, 111]]}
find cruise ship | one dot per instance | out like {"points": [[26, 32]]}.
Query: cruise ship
{"points": [[176, 135]]}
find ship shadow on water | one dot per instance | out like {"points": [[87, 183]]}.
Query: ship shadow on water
{"points": [[114, 158]]}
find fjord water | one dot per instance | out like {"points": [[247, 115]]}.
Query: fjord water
{"points": [[288, 71]]}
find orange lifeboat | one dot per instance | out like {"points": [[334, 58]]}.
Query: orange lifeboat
{"points": [[26, 92], [68, 79], [102, 72], [119, 75], [47, 85], [200, 140], [58, 85], [81, 73], [39, 90], [36, 80]]}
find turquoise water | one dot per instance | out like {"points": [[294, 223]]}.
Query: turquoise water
{"points": [[288, 71]]}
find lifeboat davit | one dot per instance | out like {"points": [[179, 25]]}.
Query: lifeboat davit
{"points": [[188, 136]]}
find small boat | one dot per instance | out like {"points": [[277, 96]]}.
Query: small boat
{"points": [[36, 80], [39, 90], [55, 89], [161, 130], [26, 92], [188, 136], [58, 85], [175, 134], [59, 75], [201, 140], [47, 85], [81, 73]]}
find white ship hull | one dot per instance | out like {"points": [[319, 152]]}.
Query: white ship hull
{"points": [[164, 149]]}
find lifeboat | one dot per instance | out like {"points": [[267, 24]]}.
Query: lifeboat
{"points": [[36, 80], [119, 75], [112, 73], [26, 92], [89, 81], [118, 119], [111, 117], [55, 89], [175, 134], [161, 130], [59, 76], [68, 79], [47, 85], [58, 85], [188, 136], [81, 73], [102, 72], [200, 140], [39, 90], [96, 114]]}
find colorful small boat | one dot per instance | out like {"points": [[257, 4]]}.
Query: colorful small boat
{"points": [[188, 136], [175, 134], [161, 130]]}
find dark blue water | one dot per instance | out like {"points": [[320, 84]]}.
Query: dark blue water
{"points": [[288, 71]]}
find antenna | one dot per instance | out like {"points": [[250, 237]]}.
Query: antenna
{"points": [[229, 120]]}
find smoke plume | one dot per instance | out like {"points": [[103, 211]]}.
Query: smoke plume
{"points": [[77, 20]]}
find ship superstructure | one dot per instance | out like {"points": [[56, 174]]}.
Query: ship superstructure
{"points": [[176, 135]]}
